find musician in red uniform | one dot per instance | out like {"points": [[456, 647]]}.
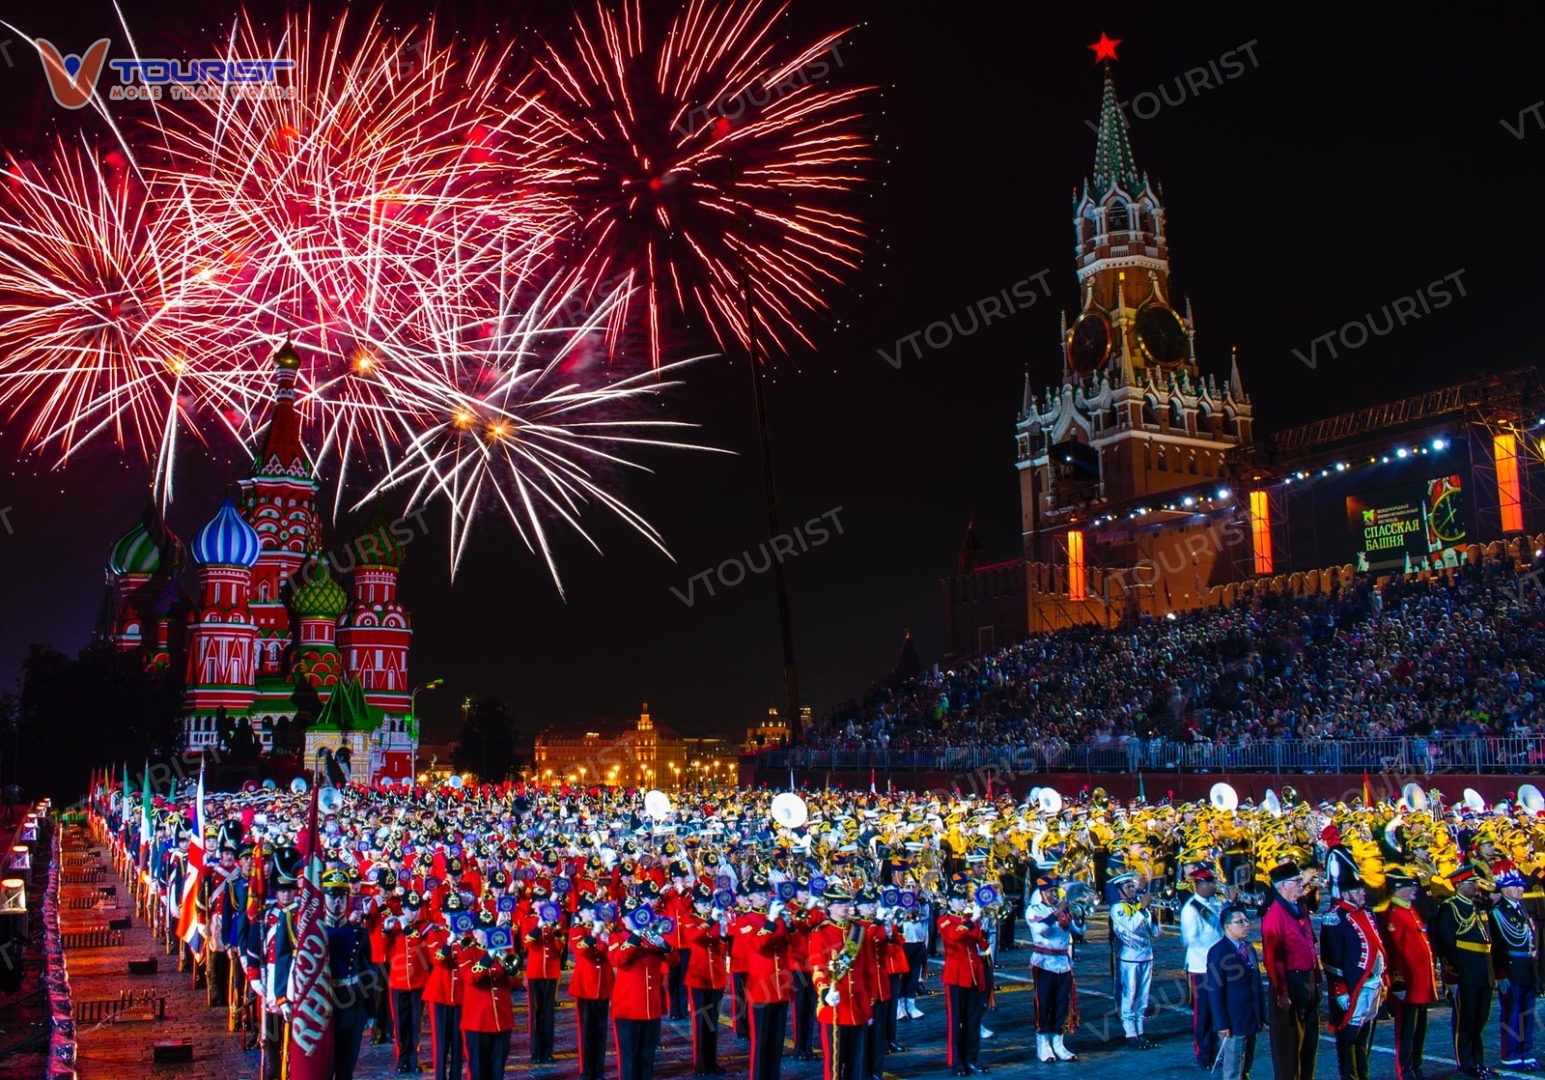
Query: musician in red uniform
{"points": [[444, 991], [638, 1000], [885, 943], [705, 978], [543, 938], [590, 985], [768, 982], [487, 1012], [379, 904], [838, 952], [806, 917], [676, 903], [1413, 973], [742, 926], [965, 979], [408, 964]]}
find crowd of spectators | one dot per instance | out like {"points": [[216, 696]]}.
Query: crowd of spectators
{"points": [[1460, 654]]}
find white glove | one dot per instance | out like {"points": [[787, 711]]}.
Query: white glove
{"points": [[833, 998], [882, 914], [775, 910]]}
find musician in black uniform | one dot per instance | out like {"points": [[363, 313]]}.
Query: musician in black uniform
{"points": [[1514, 953], [1461, 937], [348, 958]]}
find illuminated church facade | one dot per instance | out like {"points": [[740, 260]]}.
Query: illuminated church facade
{"points": [[272, 636]]}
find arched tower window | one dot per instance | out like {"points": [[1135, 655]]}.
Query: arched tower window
{"points": [[1119, 217], [1178, 415], [1150, 411]]}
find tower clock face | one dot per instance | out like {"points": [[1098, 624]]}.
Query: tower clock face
{"points": [[1089, 342], [1161, 335], [1447, 517]]}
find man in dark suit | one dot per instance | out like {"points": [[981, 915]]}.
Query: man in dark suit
{"points": [[1236, 993]]}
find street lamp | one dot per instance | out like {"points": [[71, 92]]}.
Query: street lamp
{"points": [[413, 719]]}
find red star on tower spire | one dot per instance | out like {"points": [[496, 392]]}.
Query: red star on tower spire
{"points": [[1105, 48]]}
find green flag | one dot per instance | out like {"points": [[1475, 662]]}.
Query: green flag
{"points": [[1142, 794]]}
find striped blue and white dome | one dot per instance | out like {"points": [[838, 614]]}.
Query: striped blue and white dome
{"points": [[227, 540]]}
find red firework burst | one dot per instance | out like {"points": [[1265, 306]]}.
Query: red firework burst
{"points": [[701, 154]]}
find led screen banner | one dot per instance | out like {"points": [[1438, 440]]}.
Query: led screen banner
{"points": [[1411, 525]]}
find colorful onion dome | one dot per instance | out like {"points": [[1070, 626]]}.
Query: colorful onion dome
{"points": [[319, 597], [378, 544], [148, 548], [227, 540]]}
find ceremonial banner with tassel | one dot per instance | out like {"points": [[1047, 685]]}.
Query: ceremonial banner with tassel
{"points": [[309, 1049]]}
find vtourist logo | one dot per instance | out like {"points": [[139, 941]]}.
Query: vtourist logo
{"points": [[733, 571], [1354, 335], [1226, 68], [361, 551], [72, 78], [1017, 297], [5, 519], [1523, 128], [733, 107]]}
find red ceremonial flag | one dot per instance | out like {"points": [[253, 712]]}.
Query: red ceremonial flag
{"points": [[1367, 790], [309, 1051]]}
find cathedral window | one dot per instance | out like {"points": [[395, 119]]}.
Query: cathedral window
{"points": [[1163, 460], [1193, 465]]}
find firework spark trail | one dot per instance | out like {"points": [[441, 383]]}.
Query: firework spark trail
{"points": [[351, 199], [510, 433], [687, 211], [425, 238], [96, 286]]}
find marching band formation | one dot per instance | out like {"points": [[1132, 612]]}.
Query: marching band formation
{"points": [[811, 918]]}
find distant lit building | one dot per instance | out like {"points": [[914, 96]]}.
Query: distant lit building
{"points": [[434, 762], [623, 752], [773, 732]]}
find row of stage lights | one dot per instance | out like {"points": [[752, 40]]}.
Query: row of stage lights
{"points": [[1437, 447], [1223, 494]]}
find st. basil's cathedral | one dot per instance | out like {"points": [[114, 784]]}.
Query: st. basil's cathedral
{"points": [[272, 635]]}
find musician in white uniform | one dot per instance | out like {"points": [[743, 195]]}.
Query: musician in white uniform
{"points": [[1053, 927], [1199, 932], [1134, 927]]}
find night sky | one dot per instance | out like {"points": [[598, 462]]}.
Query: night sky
{"points": [[1358, 158]]}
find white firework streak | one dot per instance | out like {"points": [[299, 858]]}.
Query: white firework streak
{"points": [[528, 443]]}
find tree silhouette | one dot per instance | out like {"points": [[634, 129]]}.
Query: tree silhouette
{"points": [[487, 746]]}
